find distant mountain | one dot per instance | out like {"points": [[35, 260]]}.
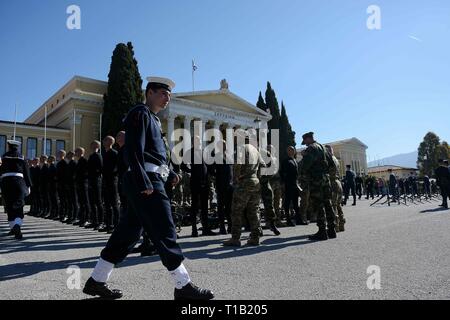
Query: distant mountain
{"points": [[403, 160]]}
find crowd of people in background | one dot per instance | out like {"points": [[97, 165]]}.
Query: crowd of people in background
{"points": [[85, 190]]}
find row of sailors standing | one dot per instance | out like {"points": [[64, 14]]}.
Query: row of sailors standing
{"points": [[78, 190]]}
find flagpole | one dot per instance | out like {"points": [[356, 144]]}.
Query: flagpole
{"points": [[15, 121], [101, 114], [73, 139], [193, 70], [45, 132]]}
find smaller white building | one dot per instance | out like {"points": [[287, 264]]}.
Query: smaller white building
{"points": [[349, 152]]}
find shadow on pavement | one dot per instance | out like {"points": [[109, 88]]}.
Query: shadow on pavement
{"points": [[434, 210]]}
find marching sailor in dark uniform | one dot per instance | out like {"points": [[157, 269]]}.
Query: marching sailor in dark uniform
{"points": [[43, 187], [148, 206], [82, 187], [110, 185], [15, 184]]}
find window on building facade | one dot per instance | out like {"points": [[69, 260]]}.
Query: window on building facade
{"points": [[47, 147], [2, 145], [60, 145], [31, 148]]}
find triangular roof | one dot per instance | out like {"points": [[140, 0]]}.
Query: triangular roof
{"points": [[351, 140], [221, 98]]}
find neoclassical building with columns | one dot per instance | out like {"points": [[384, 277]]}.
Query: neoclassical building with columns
{"points": [[349, 152], [72, 116]]}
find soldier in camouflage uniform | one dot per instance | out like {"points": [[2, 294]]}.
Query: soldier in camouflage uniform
{"points": [[178, 194], [315, 166], [246, 196], [305, 208], [275, 182], [336, 188], [267, 196]]}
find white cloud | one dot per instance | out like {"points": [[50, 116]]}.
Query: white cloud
{"points": [[415, 38]]}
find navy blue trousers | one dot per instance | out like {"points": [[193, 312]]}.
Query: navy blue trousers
{"points": [[151, 214], [13, 192]]}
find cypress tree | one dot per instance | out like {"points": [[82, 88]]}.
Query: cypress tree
{"points": [[261, 104], [124, 88], [274, 109], [273, 106], [287, 136]]}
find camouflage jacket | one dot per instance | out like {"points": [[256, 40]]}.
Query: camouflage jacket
{"points": [[246, 174], [335, 169], [316, 163]]}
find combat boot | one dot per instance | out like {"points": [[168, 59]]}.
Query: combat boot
{"points": [[233, 242], [222, 229], [17, 232], [321, 235], [289, 222], [261, 233], [332, 233], [194, 232], [272, 227], [341, 226], [253, 242]]}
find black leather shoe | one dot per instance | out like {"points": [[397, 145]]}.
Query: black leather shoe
{"points": [[103, 228], [17, 232], [192, 292], [137, 249], [148, 252], [208, 232], [11, 233], [222, 230], [94, 288]]}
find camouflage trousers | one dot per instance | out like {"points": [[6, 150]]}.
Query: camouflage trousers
{"points": [[186, 184], [267, 198], [276, 187], [320, 201], [178, 194], [245, 202], [305, 207], [338, 191]]}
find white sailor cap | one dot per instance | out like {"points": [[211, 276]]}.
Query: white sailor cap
{"points": [[159, 82], [14, 143]]}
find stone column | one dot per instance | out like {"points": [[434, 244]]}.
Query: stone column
{"points": [[187, 133], [170, 129], [203, 129]]}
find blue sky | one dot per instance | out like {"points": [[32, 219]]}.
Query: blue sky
{"points": [[387, 87]]}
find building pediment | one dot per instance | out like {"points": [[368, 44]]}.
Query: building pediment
{"points": [[352, 141], [222, 99]]}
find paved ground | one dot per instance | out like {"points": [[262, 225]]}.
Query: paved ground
{"points": [[409, 244]]}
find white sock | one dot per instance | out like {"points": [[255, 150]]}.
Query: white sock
{"points": [[180, 276], [18, 221], [11, 224], [102, 271]]}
